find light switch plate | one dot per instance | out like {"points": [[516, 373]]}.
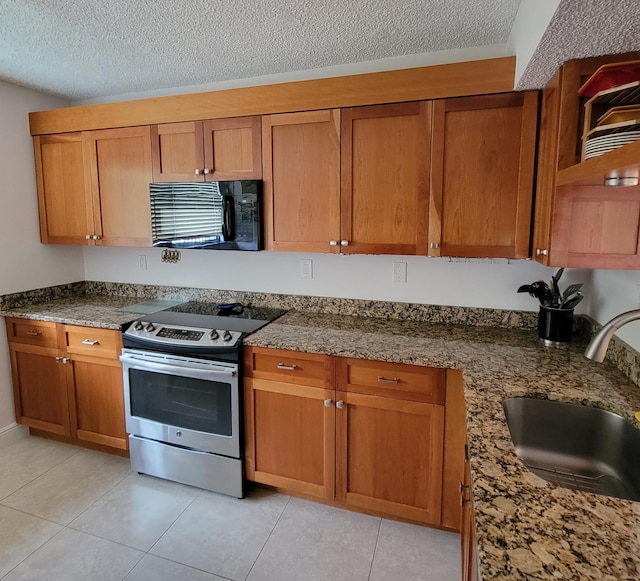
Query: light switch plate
{"points": [[306, 268], [400, 272]]}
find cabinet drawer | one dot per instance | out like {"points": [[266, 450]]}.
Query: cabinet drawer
{"points": [[396, 380], [93, 342], [290, 366], [43, 333]]}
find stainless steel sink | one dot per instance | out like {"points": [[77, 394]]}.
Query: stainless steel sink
{"points": [[576, 446]]}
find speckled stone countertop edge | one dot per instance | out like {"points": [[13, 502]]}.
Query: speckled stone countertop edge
{"points": [[526, 528], [519, 517]]}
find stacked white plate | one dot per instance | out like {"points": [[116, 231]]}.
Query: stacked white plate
{"points": [[599, 145]]}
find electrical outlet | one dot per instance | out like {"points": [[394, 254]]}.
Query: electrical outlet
{"points": [[142, 261], [399, 272], [170, 255], [306, 268]]}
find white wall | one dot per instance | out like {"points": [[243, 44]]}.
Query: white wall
{"points": [[532, 20], [486, 283], [614, 292], [24, 262]]}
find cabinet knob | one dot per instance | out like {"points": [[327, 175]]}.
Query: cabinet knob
{"points": [[340, 404], [95, 237], [333, 243], [434, 245], [87, 237], [327, 403], [344, 243], [206, 171], [542, 251], [198, 171]]}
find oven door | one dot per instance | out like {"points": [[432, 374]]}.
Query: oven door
{"points": [[183, 401]]}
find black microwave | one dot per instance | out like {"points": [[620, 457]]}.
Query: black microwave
{"points": [[213, 215]]}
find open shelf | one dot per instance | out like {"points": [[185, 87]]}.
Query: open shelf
{"points": [[622, 162]]}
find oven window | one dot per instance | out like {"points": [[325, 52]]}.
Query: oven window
{"points": [[183, 402]]}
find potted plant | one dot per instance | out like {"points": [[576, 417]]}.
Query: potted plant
{"points": [[555, 319]]}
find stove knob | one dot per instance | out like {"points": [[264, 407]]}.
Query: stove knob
{"points": [[226, 336], [150, 327], [138, 326], [214, 335]]}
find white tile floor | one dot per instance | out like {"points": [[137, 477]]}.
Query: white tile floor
{"points": [[72, 514]]}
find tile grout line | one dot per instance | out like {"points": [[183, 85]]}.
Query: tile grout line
{"points": [[268, 537], [375, 548], [62, 527], [39, 476], [100, 497], [148, 552]]}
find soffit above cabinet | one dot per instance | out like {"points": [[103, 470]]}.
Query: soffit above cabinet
{"points": [[82, 49]]}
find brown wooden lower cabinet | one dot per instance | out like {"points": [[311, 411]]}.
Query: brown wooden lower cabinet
{"points": [[64, 388], [389, 455], [39, 388], [370, 435], [97, 401], [292, 436], [468, 530]]}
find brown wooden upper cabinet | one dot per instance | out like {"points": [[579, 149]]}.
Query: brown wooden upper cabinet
{"points": [[482, 156], [579, 221], [301, 181], [93, 187], [348, 181], [477, 202], [216, 149]]}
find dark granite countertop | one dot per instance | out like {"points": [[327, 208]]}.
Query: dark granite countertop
{"points": [[526, 528]]}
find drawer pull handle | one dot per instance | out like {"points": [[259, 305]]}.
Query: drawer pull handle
{"points": [[33, 332], [287, 367], [382, 379], [90, 342]]}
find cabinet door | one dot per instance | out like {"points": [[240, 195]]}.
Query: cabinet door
{"points": [[548, 148], [301, 172], [177, 152], [596, 227], [290, 436], [97, 401], [232, 149], [483, 154], [385, 178], [120, 161], [389, 455], [40, 388], [467, 530], [64, 197]]}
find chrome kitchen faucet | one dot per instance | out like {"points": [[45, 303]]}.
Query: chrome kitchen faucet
{"points": [[597, 348]]}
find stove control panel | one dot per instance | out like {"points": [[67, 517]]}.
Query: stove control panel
{"points": [[173, 335]]}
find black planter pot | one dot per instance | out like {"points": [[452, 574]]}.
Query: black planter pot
{"points": [[555, 326]]}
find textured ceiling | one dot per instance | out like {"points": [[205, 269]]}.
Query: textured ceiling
{"points": [[583, 28], [83, 49]]}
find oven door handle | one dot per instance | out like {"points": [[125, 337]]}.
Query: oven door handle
{"points": [[146, 365]]}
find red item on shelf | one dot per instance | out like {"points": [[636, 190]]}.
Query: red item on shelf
{"points": [[611, 75]]}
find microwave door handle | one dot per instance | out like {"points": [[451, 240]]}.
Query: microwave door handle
{"points": [[228, 221]]}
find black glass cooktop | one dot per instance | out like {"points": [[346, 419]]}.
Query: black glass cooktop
{"points": [[231, 310]]}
